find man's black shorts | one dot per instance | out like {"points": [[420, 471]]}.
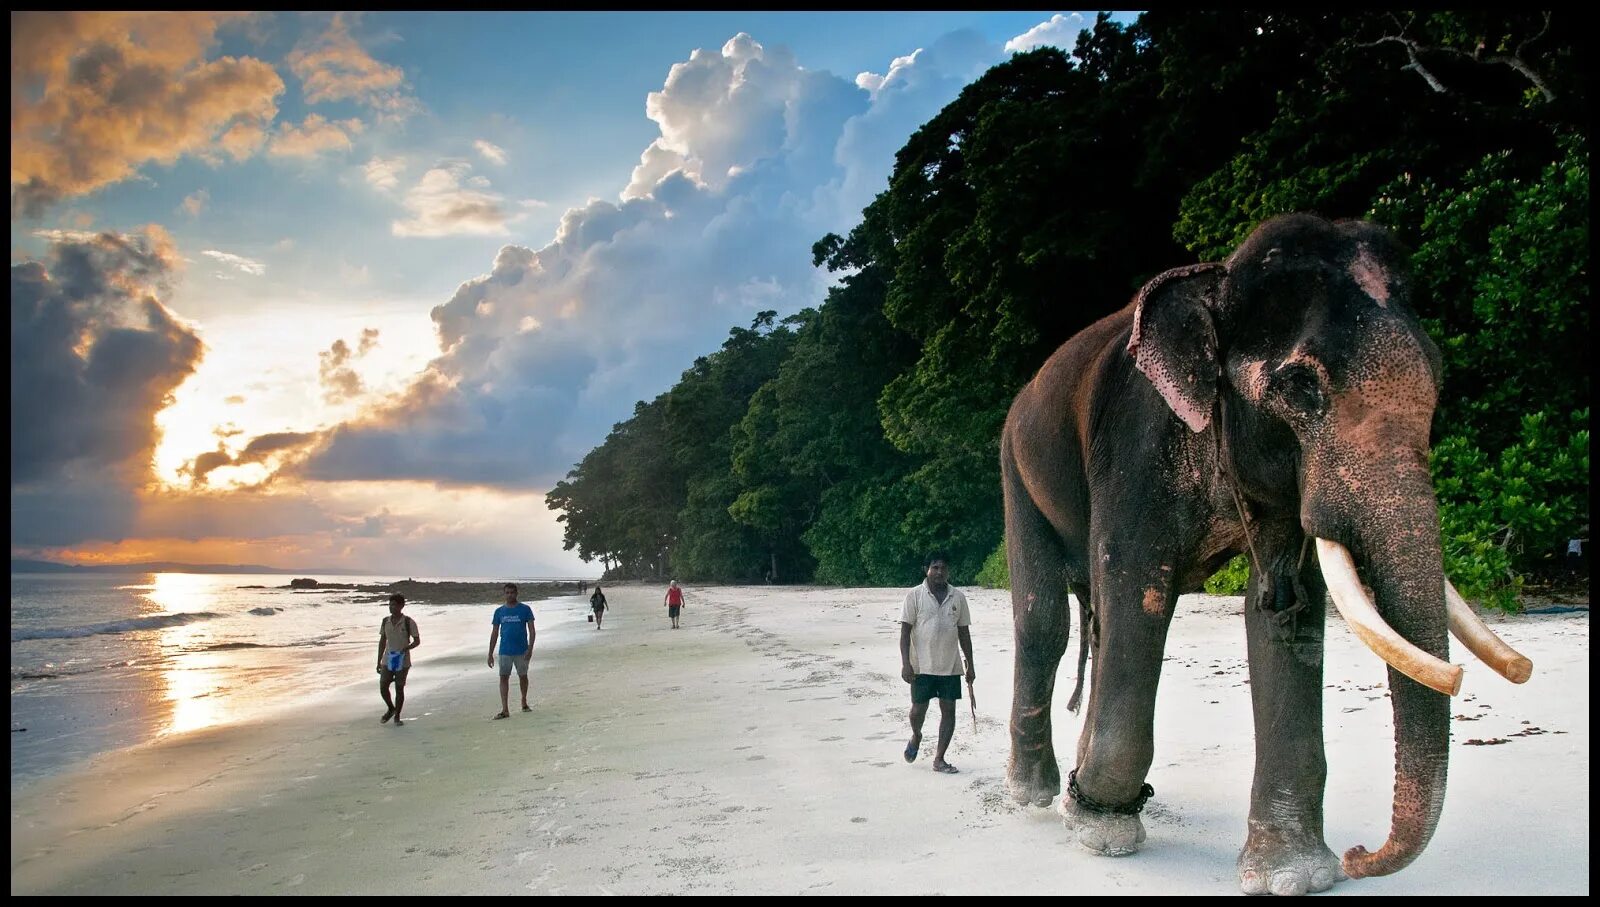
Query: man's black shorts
{"points": [[931, 686], [672, 610]]}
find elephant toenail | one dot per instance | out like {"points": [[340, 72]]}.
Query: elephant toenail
{"points": [[1322, 879], [1288, 883], [1250, 882]]}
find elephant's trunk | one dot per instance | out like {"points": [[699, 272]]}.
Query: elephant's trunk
{"points": [[1403, 565]]}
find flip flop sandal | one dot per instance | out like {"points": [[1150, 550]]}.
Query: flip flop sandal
{"points": [[946, 769], [502, 715], [911, 751]]}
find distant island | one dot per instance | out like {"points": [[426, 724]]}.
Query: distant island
{"points": [[27, 566]]}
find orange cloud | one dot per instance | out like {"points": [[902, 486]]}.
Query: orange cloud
{"points": [[95, 96], [334, 67], [316, 135]]}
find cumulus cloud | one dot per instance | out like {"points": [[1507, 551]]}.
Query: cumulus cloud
{"points": [[492, 153], [447, 202], [314, 136], [94, 356], [237, 262], [195, 202], [339, 380], [1059, 31], [334, 67], [384, 173], [756, 158], [95, 96]]}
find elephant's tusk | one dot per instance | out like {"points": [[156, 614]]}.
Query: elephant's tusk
{"points": [[1352, 601], [1468, 627]]}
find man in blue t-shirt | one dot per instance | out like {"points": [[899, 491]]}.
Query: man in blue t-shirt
{"points": [[516, 646]]}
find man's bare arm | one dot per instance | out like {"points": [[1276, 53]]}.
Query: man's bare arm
{"points": [[964, 636], [906, 673]]}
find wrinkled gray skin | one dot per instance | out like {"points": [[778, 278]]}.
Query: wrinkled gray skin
{"points": [[1299, 368]]}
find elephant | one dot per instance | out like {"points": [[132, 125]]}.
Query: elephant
{"points": [[1277, 405]]}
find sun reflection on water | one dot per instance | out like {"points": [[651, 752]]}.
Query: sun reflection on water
{"points": [[194, 685]]}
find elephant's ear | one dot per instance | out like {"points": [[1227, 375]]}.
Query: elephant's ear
{"points": [[1174, 341]]}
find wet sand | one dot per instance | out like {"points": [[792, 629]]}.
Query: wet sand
{"points": [[757, 751]]}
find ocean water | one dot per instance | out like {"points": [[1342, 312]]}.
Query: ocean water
{"points": [[104, 661]]}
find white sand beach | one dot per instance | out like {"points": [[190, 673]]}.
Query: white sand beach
{"points": [[758, 751]]}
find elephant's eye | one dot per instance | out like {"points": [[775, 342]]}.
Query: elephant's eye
{"points": [[1300, 388]]}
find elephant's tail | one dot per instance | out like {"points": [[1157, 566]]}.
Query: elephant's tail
{"points": [[1086, 626]]}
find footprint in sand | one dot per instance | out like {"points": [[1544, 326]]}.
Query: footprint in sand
{"points": [[298, 879]]}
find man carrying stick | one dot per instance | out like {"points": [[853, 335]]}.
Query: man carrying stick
{"points": [[933, 622]]}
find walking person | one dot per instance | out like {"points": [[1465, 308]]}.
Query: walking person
{"points": [[397, 636], [934, 621], [674, 601], [597, 603], [513, 628]]}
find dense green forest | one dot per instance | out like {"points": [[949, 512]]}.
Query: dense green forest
{"points": [[842, 443]]}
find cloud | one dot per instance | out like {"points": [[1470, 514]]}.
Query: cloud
{"points": [[1060, 31], [195, 202], [238, 262], [339, 381], [334, 67], [441, 206], [756, 159], [494, 154], [384, 173], [95, 96], [94, 356], [314, 136], [262, 449], [371, 527], [200, 466]]}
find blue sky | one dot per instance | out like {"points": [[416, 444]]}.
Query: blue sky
{"points": [[409, 267]]}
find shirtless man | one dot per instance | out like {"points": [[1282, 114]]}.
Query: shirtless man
{"points": [[397, 636]]}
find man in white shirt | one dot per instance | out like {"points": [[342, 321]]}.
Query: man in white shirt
{"points": [[933, 621]]}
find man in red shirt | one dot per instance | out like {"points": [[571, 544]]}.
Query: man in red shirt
{"points": [[674, 602]]}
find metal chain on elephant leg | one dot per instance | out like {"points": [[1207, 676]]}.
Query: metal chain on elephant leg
{"points": [[1088, 804]]}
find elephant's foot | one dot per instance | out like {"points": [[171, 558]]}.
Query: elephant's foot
{"points": [[1034, 781], [1284, 869], [1109, 835]]}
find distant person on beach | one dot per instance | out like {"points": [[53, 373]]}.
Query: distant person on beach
{"points": [[397, 636], [597, 602], [513, 629], [674, 602], [933, 621]]}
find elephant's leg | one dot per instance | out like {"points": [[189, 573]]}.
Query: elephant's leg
{"points": [[1284, 852], [1133, 601], [1038, 566]]}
